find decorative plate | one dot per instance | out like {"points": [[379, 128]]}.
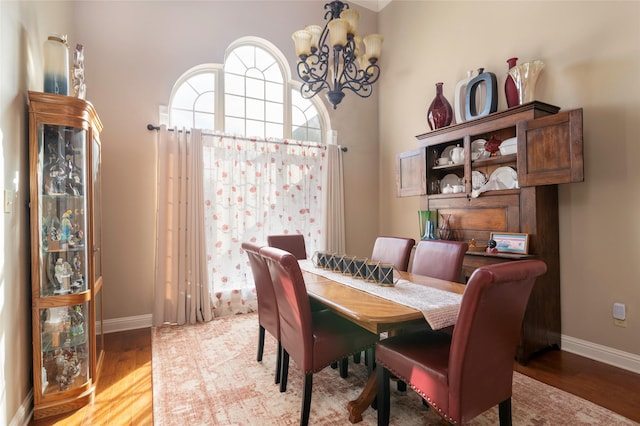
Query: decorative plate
{"points": [[478, 179], [506, 177], [450, 180], [446, 153]]}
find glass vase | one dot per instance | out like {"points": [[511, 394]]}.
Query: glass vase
{"points": [[56, 65], [427, 220], [446, 233], [440, 113], [525, 76]]}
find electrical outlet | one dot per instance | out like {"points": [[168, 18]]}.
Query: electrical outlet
{"points": [[620, 323], [8, 201], [619, 311]]}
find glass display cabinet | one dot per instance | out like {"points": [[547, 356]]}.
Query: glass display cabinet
{"points": [[66, 267]]}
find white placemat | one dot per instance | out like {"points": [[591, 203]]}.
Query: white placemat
{"points": [[439, 307]]}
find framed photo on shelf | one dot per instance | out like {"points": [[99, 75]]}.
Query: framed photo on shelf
{"points": [[510, 242]]}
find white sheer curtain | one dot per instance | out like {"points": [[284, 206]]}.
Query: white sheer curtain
{"points": [[254, 188], [181, 284]]}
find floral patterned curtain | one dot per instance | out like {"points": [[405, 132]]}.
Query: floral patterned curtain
{"points": [[254, 188]]}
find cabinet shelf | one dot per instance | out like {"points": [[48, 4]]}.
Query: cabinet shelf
{"points": [[64, 250], [500, 159], [449, 167]]}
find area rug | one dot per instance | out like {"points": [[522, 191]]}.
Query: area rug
{"points": [[207, 374]]}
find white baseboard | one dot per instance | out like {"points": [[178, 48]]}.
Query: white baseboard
{"points": [[607, 355], [127, 323], [24, 413]]}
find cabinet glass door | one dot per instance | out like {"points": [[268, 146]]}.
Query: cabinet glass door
{"points": [[65, 346], [62, 210], [97, 211], [97, 248]]}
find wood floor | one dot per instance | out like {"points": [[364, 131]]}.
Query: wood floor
{"points": [[124, 394]]}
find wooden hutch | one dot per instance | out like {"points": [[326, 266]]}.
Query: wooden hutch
{"points": [[549, 152]]}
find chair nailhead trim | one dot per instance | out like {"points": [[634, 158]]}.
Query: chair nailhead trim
{"points": [[423, 395]]}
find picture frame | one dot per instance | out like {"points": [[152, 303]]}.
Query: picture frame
{"points": [[511, 242]]}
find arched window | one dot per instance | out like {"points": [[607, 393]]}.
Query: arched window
{"points": [[251, 94]]}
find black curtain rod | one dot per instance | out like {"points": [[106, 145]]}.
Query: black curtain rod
{"points": [[152, 127]]}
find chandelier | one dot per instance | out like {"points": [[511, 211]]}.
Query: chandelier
{"points": [[337, 64]]}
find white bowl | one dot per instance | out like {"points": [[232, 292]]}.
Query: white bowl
{"points": [[509, 146]]}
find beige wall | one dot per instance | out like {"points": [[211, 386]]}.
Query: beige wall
{"points": [[131, 67], [592, 56]]}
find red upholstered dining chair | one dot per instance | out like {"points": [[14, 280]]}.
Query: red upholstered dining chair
{"points": [[314, 339], [293, 243], [462, 375], [268, 318], [393, 250], [439, 259]]}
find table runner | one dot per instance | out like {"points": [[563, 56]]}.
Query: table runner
{"points": [[439, 307]]}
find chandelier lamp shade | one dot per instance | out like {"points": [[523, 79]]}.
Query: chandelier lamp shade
{"points": [[332, 57]]}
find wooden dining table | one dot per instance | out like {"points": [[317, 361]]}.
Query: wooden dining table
{"points": [[371, 312]]}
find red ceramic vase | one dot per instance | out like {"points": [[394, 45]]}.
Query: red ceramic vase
{"points": [[440, 112], [510, 89]]}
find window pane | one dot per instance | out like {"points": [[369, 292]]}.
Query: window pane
{"points": [[274, 92], [234, 106], [255, 109], [204, 121], [247, 55], [206, 102], [275, 112], [273, 73], [314, 135], [203, 82], [255, 88], [299, 133], [263, 59], [297, 117], [315, 120], [255, 128], [184, 97], [305, 121], [233, 64], [254, 73], [234, 84], [274, 130], [234, 126], [181, 118]]}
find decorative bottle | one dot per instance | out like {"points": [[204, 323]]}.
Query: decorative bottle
{"points": [[440, 112], [460, 95], [56, 65], [510, 89]]}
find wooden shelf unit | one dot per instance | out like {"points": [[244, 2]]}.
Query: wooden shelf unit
{"points": [[549, 152]]}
